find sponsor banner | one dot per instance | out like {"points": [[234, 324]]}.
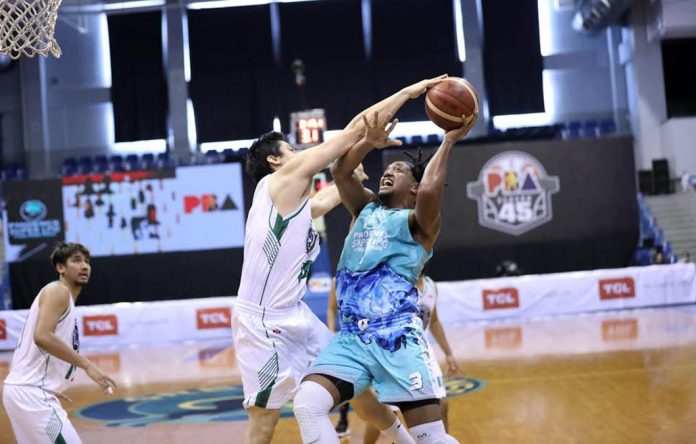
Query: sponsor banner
{"points": [[103, 325], [138, 323], [550, 294], [501, 298], [33, 217], [156, 211], [620, 329], [217, 317], [507, 338], [11, 323], [598, 332]]}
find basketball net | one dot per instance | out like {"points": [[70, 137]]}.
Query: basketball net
{"points": [[27, 27]]}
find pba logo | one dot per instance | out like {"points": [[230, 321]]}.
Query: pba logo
{"points": [[207, 203], [620, 330], [617, 288], [513, 193], [3, 330], [211, 405], [501, 298], [100, 325], [220, 317]]}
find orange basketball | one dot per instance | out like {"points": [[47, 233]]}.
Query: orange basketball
{"points": [[446, 102]]}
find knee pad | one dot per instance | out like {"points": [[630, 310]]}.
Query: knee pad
{"points": [[311, 407], [432, 433]]}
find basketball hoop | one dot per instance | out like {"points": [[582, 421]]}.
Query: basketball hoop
{"points": [[27, 27]]}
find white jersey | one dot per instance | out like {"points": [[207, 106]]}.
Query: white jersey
{"points": [[35, 367], [427, 298], [278, 252]]}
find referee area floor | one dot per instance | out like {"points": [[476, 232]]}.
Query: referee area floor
{"points": [[610, 377]]}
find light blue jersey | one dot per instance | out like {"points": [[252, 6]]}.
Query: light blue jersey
{"points": [[376, 277]]}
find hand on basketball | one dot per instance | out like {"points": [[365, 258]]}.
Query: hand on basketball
{"points": [[105, 382], [417, 89], [452, 367], [456, 134], [377, 133], [360, 173]]}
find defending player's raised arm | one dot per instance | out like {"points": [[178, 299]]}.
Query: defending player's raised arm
{"points": [[329, 198], [353, 195], [393, 103], [432, 186], [312, 160]]}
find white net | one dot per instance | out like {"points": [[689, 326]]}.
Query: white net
{"points": [[27, 27]]}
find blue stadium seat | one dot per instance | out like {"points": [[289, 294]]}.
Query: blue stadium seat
{"points": [[590, 129], [165, 161], [132, 162], [69, 167], [607, 126], [573, 130], [433, 139], [101, 164], [417, 140], [116, 163], [85, 165], [10, 171], [147, 162], [213, 156]]}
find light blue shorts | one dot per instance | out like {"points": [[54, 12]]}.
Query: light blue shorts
{"points": [[406, 374]]}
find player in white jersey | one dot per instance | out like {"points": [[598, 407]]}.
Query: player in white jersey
{"points": [[47, 355], [427, 311], [276, 335]]}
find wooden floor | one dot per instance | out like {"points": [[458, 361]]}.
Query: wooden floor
{"points": [[620, 377]]}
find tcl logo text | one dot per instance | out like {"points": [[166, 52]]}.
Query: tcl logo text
{"points": [[507, 338], [214, 318], [501, 298], [620, 330], [617, 288], [102, 325]]}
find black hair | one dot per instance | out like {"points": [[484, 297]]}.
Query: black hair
{"points": [[417, 164], [268, 144], [63, 250]]}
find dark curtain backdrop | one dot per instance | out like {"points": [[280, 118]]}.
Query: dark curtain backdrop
{"points": [[679, 67], [412, 40], [511, 57], [139, 88], [231, 65], [237, 88]]}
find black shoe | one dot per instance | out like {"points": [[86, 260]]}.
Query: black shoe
{"points": [[342, 429]]}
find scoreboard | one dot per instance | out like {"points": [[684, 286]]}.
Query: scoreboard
{"points": [[308, 127]]}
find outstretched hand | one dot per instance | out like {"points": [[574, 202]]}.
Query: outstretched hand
{"points": [[377, 133], [417, 89], [459, 133]]}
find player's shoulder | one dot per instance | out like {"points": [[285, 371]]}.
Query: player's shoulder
{"points": [[56, 291]]}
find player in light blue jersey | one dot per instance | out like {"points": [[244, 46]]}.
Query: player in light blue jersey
{"points": [[382, 341]]}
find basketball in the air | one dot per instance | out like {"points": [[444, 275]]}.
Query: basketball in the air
{"points": [[446, 102]]}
